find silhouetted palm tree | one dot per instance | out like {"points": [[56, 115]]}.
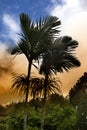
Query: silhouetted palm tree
{"points": [[58, 59], [36, 86], [35, 40]]}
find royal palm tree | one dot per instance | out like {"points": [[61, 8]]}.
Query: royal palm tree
{"points": [[58, 59], [35, 40]]}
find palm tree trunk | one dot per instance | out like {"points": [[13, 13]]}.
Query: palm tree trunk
{"points": [[44, 102], [43, 114], [26, 98]]}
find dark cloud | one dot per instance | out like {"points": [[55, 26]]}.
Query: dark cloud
{"points": [[6, 65], [6, 69]]}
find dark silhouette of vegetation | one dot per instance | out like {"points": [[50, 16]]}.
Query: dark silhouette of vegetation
{"points": [[57, 116], [78, 90], [36, 86], [78, 98]]}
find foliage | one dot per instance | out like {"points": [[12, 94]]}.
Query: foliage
{"points": [[61, 118], [60, 57], [79, 90], [78, 98], [37, 86], [58, 117]]}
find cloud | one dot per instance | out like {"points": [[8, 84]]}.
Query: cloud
{"points": [[83, 4], [66, 10], [6, 64], [73, 15], [10, 22], [8, 68], [12, 27], [10, 65]]}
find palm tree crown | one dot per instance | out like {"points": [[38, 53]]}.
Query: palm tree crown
{"points": [[60, 57], [36, 37]]}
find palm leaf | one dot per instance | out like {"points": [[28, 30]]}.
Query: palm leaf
{"points": [[37, 86], [61, 57], [19, 83]]}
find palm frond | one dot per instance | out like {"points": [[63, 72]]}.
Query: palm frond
{"points": [[61, 57], [51, 25], [53, 86], [65, 43], [16, 50], [19, 83], [37, 86], [25, 20]]}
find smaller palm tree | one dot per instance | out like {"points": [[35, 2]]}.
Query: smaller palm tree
{"points": [[36, 87]]}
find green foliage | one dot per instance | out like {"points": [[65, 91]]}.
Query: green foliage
{"points": [[58, 116]]}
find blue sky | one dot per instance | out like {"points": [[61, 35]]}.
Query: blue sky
{"points": [[11, 9]]}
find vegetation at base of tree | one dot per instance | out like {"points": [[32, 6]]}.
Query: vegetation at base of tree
{"points": [[60, 115]]}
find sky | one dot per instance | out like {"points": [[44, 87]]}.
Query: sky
{"points": [[73, 16]]}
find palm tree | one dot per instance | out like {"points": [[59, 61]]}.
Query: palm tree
{"points": [[35, 40], [58, 59], [36, 86]]}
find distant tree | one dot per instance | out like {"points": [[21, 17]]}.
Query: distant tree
{"points": [[58, 59], [79, 90], [78, 98], [57, 99], [35, 39], [2, 109]]}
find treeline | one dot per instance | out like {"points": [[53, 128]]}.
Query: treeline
{"points": [[60, 115]]}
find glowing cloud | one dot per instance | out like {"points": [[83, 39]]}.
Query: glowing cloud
{"points": [[73, 15]]}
